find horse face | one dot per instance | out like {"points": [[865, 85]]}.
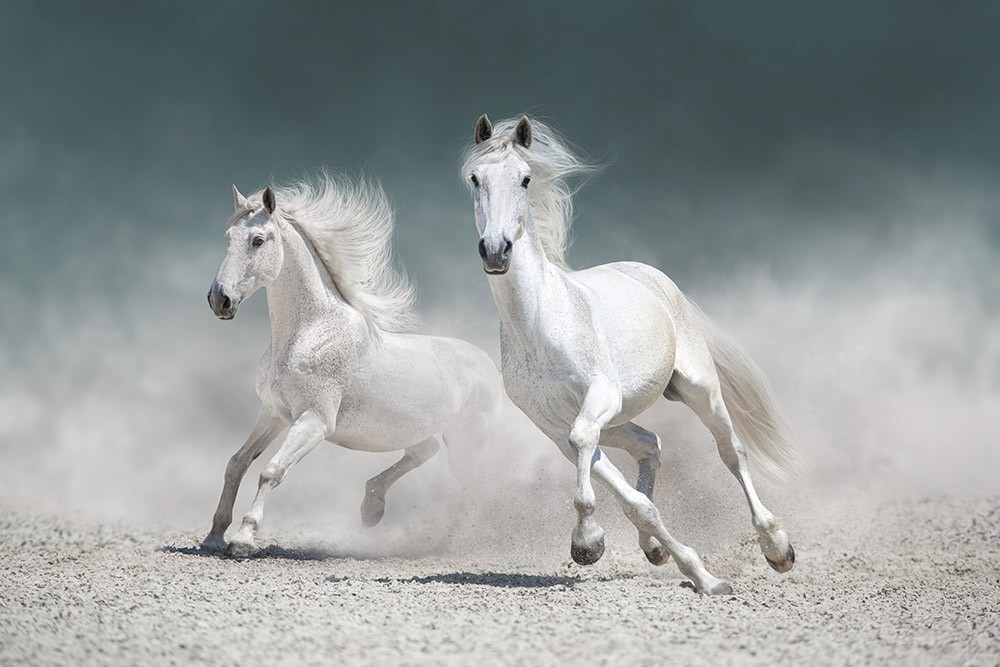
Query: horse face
{"points": [[254, 256], [500, 190]]}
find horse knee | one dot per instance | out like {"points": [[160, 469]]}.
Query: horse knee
{"points": [[234, 469], [584, 434]]}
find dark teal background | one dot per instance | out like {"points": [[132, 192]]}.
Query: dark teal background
{"points": [[765, 129]]}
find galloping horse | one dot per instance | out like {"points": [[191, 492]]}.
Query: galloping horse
{"points": [[338, 367], [584, 352]]}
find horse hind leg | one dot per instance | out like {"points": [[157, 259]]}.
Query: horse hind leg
{"points": [[373, 505], [705, 399], [644, 447]]}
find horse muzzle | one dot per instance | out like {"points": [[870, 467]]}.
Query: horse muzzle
{"points": [[222, 304], [496, 256]]}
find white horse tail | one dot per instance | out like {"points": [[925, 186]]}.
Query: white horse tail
{"points": [[757, 418]]}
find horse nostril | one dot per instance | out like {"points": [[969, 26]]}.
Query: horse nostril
{"points": [[210, 297], [508, 246], [226, 303], [482, 248]]}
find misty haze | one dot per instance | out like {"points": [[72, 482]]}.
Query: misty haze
{"points": [[822, 180]]}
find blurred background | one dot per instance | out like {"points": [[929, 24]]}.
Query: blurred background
{"points": [[821, 178]]}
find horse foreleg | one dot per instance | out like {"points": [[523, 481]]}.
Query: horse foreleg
{"points": [[373, 505], [644, 447], [641, 511], [601, 403], [307, 432], [264, 431]]}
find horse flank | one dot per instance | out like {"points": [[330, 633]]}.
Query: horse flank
{"points": [[350, 223], [553, 164]]}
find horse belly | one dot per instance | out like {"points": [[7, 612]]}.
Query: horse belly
{"points": [[415, 388], [388, 418]]}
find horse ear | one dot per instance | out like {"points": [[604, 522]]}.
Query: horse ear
{"points": [[484, 129], [269, 202], [522, 133], [239, 201]]}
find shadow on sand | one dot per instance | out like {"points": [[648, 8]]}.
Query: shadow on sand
{"points": [[274, 551], [498, 579]]}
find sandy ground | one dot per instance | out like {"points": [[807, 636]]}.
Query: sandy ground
{"points": [[913, 582]]}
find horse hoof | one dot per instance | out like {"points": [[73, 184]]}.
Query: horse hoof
{"points": [[721, 588], [587, 555], [215, 545], [657, 556], [371, 514], [240, 550], [785, 565]]}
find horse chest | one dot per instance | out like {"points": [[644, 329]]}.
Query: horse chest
{"points": [[543, 382]]}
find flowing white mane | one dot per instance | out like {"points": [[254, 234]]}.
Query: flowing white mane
{"points": [[553, 164], [349, 223]]}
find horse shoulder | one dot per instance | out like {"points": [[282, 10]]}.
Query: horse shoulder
{"points": [[311, 369], [635, 314]]}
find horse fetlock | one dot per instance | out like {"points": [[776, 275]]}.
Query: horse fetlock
{"points": [[765, 524], [249, 525], [585, 503]]}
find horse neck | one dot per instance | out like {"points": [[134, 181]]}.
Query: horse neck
{"points": [[303, 293], [522, 292]]}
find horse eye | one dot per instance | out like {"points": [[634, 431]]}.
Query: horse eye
{"points": [[524, 183], [475, 181], [258, 241]]}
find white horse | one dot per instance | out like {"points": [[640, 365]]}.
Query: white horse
{"points": [[337, 368], [584, 352]]}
